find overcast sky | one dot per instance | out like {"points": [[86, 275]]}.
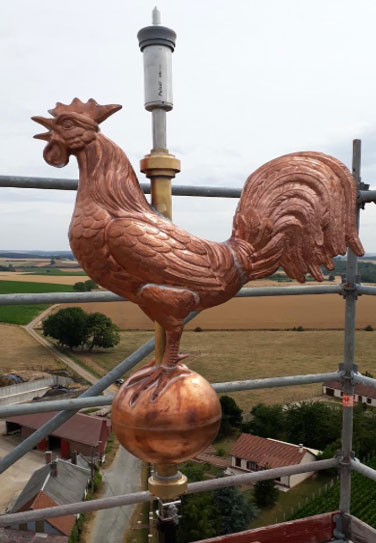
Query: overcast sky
{"points": [[252, 80]]}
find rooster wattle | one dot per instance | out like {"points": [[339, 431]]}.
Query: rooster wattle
{"points": [[297, 212]]}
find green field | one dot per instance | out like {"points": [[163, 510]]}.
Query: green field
{"points": [[23, 314], [50, 271]]}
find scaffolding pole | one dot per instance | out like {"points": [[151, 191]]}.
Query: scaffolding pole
{"points": [[105, 296], [203, 191], [348, 366], [140, 497], [231, 386]]}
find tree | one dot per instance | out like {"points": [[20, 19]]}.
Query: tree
{"points": [[102, 332], [267, 421], [234, 512], [80, 287], [266, 494], [198, 520], [68, 326], [85, 286], [72, 327], [231, 416]]}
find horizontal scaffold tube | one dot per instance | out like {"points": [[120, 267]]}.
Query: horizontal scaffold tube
{"points": [[72, 184], [105, 296], [363, 289], [54, 405], [363, 469], [362, 379], [139, 497], [16, 181], [272, 382], [231, 386]]}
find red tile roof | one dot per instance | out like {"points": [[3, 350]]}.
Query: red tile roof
{"points": [[81, 428], [267, 452], [63, 524], [361, 390]]}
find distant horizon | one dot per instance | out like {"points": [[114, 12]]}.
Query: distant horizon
{"points": [[68, 251]]}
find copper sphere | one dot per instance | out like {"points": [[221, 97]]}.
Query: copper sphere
{"points": [[172, 425]]}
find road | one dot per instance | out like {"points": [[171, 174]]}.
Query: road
{"points": [[30, 329], [122, 477]]}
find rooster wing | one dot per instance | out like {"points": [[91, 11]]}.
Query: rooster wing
{"points": [[155, 250], [298, 211]]}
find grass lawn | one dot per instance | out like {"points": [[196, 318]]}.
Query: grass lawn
{"points": [[237, 355], [23, 314], [288, 501]]}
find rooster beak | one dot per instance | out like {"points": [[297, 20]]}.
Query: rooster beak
{"points": [[45, 136], [47, 123]]}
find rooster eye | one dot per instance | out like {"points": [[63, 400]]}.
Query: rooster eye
{"points": [[67, 125]]}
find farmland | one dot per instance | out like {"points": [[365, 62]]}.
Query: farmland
{"points": [[20, 352], [23, 314], [267, 313], [232, 355], [41, 278]]}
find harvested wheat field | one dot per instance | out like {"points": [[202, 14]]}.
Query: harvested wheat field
{"points": [[20, 352], [56, 279], [317, 312], [238, 355]]}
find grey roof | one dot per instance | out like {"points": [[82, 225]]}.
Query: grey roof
{"points": [[82, 462], [68, 487]]}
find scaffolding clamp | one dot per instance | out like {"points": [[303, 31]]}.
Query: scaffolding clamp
{"points": [[347, 376], [351, 289]]}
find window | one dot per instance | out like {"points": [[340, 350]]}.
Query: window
{"points": [[252, 466], [238, 462], [369, 400]]}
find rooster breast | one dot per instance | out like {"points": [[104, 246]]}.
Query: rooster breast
{"points": [[87, 238]]}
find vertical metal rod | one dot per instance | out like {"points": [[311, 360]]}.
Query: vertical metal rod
{"points": [[158, 116], [348, 387]]}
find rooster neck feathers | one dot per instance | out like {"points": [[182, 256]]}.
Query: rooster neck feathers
{"points": [[107, 178]]}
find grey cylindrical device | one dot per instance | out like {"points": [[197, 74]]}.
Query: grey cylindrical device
{"points": [[157, 44]]}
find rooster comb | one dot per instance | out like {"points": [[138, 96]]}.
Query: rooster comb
{"points": [[90, 109]]}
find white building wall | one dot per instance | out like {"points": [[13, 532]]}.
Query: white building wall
{"points": [[299, 477]]}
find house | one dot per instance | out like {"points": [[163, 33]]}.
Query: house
{"points": [[16, 536], [362, 393], [254, 453], [85, 434], [57, 483]]}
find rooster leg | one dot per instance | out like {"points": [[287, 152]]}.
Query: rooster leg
{"points": [[171, 355]]}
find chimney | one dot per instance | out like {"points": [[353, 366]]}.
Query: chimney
{"points": [[301, 447], [53, 468], [74, 458], [48, 456]]}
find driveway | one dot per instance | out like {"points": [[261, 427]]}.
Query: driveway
{"points": [[122, 477], [14, 478]]}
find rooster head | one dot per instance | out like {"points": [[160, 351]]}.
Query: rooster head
{"points": [[71, 128]]}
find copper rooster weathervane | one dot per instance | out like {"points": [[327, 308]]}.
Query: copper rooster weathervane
{"points": [[296, 212]]}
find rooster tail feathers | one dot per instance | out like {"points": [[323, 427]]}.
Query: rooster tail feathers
{"points": [[297, 211]]}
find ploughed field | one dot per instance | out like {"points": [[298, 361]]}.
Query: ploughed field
{"points": [[237, 355]]}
